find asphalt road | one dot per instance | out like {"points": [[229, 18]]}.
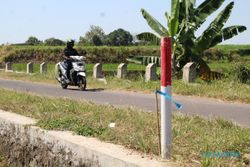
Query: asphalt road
{"points": [[209, 108]]}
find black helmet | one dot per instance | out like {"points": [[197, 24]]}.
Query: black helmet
{"points": [[70, 43]]}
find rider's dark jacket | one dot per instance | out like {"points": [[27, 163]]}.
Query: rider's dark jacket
{"points": [[70, 52]]}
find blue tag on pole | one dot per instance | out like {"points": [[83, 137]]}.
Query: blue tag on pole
{"points": [[169, 98]]}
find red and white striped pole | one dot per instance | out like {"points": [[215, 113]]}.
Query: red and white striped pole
{"points": [[166, 106]]}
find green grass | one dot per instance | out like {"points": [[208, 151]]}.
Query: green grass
{"points": [[221, 89], [228, 48], [89, 67], [225, 67], [21, 67], [192, 136], [3, 162]]}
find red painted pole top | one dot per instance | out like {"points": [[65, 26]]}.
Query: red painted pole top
{"points": [[166, 68]]}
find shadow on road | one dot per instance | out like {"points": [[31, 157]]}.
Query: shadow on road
{"points": [[95, 90], [87, 90]]}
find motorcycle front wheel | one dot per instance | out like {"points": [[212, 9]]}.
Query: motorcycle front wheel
{"points": [[64, 86], [82, 83]]}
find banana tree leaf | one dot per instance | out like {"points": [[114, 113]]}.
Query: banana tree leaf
{"points": [[185, 7], [149, 37], [154, 24], [206, 9], [187, 4], [167, 17], [186, 16], [174, 19], [222, 18], [214, 29], [182, 11], [227, 33], [189, 8], [230, 32]]}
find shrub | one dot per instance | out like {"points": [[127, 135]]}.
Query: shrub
{"points": [[52, 54], [54, 42], [241, 73], [244, 52], [233, 56], [213, 54]]}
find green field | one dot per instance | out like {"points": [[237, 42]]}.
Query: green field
{"points": [[228, 48], [226, 67], [89, 67]]}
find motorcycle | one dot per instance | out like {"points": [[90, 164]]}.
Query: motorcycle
{"points": [[77, 75]]}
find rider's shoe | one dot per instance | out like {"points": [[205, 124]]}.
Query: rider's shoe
{"points": [[67, 81]]}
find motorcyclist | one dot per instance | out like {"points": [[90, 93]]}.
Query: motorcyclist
{"points": [[69, 51]]}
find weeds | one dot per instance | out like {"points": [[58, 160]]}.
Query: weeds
{"points": [[241, 73]]}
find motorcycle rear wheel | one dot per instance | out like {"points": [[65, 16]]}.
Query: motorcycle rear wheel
{"points": [[82, 83]]}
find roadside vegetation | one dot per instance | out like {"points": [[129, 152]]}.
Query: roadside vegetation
{"points": [[182, 23], [94, 54], [135, 129], [2, 161], [229, 89]]}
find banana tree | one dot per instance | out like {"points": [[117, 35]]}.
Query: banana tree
{"points": [[183, 22], [161, 31]]}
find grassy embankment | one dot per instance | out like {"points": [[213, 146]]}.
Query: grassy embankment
{"points": [[192, 136]]}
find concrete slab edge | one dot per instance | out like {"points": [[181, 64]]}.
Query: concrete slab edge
{"points": [[26, 144]]}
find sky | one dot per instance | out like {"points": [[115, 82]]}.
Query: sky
{"points": [[66, 19]]}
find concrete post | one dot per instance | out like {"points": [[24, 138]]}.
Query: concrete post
{"points": [[56, 69], [189, 73], [151, 72], [30, 68], [97, 71], [8, 67], [122, 70], [43, 68], [166, 105]]}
